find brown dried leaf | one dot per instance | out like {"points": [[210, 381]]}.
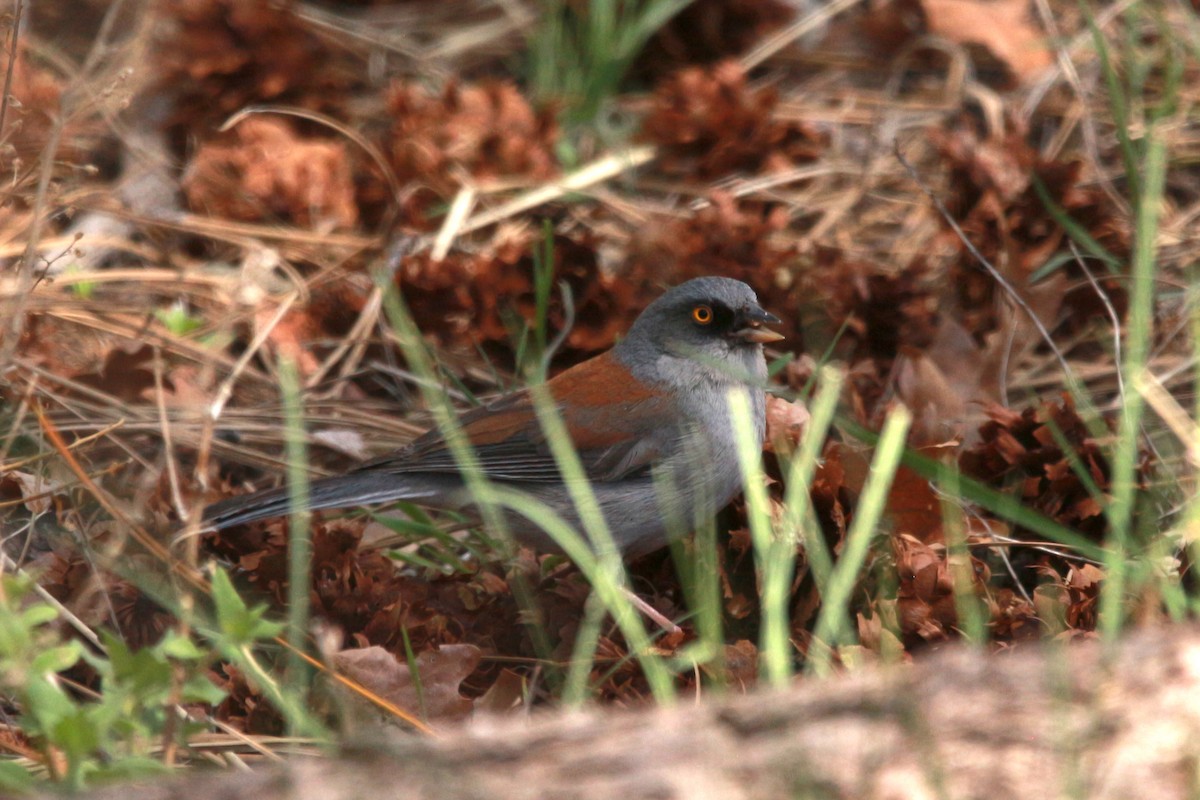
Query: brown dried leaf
{"points": [[1002, 214], [468, 299], [507, 693], [1025, 447], [28, 121], [912, 504], [440, 672], [741, 664], [939, 408], [1050, 601], [1012, 616], [1002, 26], [35, 491], [925, 598], [882, 309], [786, 421], [127, 372]]}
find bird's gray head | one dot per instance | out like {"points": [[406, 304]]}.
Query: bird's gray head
{"points": [[714, 321]]}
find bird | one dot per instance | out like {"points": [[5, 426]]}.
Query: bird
{"points": [[649, 419]]}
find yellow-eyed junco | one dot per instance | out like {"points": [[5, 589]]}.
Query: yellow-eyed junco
{"points": [[649, 419]]}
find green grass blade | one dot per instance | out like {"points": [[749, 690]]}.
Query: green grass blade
{"points": [[1002, 505], [607, 583], [576, 690], [408, 338], [603, 554], [1118, 102], [971, 613], [299, 528], [797, 508], [1077, 232], [832, 626], [774, 554], [1139, 334]]}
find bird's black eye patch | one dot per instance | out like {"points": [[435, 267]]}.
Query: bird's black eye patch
{"points": [[710, 315]]}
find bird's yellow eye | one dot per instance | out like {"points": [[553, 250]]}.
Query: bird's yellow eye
{"points": [[702, 314]]}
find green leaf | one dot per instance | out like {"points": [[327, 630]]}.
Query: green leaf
{"points": [[177, 320], [77, 733], [57, 659], [15, 779], [39, 614], [239, 624], [17, 628], [47, 703], [175, 645], [199, 689], [130, 768], [229, 603]]}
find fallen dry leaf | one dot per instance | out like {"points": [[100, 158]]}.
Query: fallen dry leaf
{"points": [[507, 692], [938, 406], [786, 421], [913, 506], [433, 695], [741, 664], [1002, 26], [925, 599], [34, 491]]}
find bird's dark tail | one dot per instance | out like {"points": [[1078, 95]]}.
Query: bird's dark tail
{"points": [[355, 489]]}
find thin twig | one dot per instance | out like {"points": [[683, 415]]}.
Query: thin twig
{"points": [[599, 170], [168, 443], [1008, 288], [363, 142], [1112, 313], [18, 11], [791, 33], [225, 391], [25, 278]]}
